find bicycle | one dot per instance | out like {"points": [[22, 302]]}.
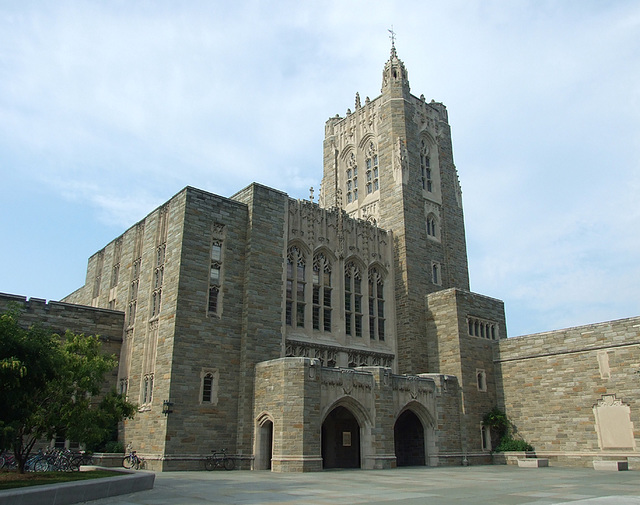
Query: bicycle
{"points": [[219, 459], [8, 460], [132, 460]]}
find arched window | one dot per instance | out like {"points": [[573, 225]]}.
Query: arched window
{"points": [[321, 293], [147, 388], [209, 383], [352, 179], [376, 305], [352, 300], [425, 167], [372, 169], [485, 438], [214, 276], [431, 226], [207, 388], [435, 273], [295, 287], [481, 378]]}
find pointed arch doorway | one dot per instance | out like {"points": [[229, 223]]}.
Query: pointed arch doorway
{"points": [[341, 439], [264, 444], [409, 440]]}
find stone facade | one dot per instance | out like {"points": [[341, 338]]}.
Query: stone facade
{"points": [[556, 386], [302, 336]]}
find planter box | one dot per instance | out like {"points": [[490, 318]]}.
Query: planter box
{"points": [[533, 463], [612, 466]]}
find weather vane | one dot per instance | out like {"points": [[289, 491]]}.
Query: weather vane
{"points": [[392, 36]]}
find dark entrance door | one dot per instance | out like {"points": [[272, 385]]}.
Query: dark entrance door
{"points": [[409, 440], [341, 440], [268, 443]]}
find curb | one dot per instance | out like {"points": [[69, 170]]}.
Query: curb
{"points": [[75, 492]]}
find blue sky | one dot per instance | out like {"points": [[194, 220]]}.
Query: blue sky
{"points": [[107, 109]]}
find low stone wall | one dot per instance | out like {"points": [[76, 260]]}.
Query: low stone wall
{"points": [[80, 491]]}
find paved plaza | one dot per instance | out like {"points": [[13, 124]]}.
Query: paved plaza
{"points": [[406, 486]]}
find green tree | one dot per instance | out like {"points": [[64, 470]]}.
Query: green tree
{"points": [[49, 385]]}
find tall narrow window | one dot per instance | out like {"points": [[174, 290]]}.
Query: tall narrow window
{"points": [[435, 273], [432, 223], [123, 387], [485, 438], [352, 179], [209, 384], [376, 305], [481, 379], [207, 388], [372, 169], [214, 276], [353, 300], [295, 287], [158, 278], [147, 388], [321, 293], [425, 167]]}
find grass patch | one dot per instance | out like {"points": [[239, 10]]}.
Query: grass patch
{"points": [[10, 479]]}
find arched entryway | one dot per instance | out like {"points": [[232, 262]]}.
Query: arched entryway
{"points": [[341, 439], [264, 444], [409, 440]]}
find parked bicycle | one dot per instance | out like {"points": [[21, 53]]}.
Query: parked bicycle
{"points": [[219, 459], [7, 460], [132, 460]]}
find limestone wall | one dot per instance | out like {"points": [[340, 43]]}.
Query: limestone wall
{"points": [[463, 329], [549, 384], [262, 336], [203, 342]]}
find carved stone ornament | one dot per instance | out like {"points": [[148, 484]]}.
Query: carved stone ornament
{"points": [[400, 162], [347, 381], [609, 401], [217, 228]]}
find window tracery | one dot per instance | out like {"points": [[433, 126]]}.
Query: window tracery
{"points": [[425, 167], [352, 179], [376, 305], [353, 300], [431, 226], [372, 169], [214, 276], [321, 293], [147, 389], [296, 265]]}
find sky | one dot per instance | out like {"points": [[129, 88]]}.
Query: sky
{"points": [[108, 109]]}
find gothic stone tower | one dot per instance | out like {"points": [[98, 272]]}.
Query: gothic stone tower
{"points": [[391, 161]]}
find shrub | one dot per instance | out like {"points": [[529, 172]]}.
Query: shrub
{"points": [[114, 447], [502, 431], [507, 443]]}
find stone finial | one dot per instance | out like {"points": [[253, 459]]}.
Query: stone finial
{"points": [[393, 43], [311, 194], [358, 104]]}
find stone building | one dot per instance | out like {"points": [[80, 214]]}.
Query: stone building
{"points": [[303, 336]]}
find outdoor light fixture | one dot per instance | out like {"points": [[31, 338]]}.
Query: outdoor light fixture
{"points": [[166, 407]]}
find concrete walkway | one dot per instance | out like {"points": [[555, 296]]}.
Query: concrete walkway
{"points": [[407, 486]]}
